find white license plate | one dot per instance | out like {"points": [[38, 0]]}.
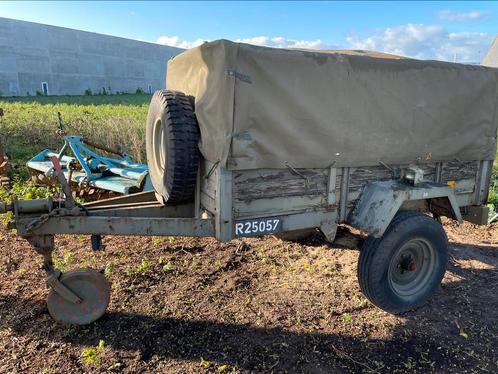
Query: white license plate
{"points": [[259, 226]]}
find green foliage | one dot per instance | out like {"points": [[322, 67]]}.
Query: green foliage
{"points": [[92, 356], [63, 261], [493, 189], [27, 191], [109, 267], [157, 241], [493, 197], [88, 92], [168, 267], [222, 368], [347, 318], [39, 93], [204, 363], [141, 268], [139, 91]]}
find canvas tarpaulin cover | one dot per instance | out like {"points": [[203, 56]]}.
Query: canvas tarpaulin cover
{"points": [[261, 107]]}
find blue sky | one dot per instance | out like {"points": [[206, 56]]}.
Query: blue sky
{"points": [[454, 31]]}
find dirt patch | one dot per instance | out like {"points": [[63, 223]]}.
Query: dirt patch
{"points": [[184, 305]]}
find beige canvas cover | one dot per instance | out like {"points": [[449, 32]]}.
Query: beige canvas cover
{"points": [[261, 107]]}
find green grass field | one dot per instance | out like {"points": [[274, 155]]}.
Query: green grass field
{"points": [[29, 124]]}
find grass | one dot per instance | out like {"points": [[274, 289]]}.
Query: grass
{"points": [[29, 124], [92, 356]]}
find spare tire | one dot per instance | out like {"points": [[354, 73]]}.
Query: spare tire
{"points": [[172, 137]]}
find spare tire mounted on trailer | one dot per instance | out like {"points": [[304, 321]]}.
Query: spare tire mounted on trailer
{"points": [[172, 137]]}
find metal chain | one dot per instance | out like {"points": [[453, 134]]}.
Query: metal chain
{"points": [[36, 223], [78, 210]]}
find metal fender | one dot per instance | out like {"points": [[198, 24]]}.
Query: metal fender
{"points": [[380, 201]]}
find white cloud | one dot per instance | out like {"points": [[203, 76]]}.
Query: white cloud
{"points": [[412, 40], [425, 42], [449, 15], [281, 42], [276, 42], [175, 41]]}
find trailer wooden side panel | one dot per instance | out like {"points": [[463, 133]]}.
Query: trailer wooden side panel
{"points": [[267, 192]]}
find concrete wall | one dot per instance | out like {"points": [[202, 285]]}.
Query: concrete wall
{"points": [[491, 58], [71, 61]]}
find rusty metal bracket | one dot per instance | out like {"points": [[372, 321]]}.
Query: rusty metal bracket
{"points": [[54, 283]]}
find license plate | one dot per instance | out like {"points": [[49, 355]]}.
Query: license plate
{"points": [[259, 226]]}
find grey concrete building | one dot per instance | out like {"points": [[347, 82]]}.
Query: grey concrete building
{"points": [[61, 61], [491, 58]]}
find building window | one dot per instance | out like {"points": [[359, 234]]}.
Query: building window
{"points": [[150, 88], [45, 88]]}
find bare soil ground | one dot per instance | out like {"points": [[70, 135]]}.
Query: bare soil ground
{"points": [[183, 305]]}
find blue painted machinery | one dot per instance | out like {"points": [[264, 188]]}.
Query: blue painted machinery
{"points": [[91, 170]]}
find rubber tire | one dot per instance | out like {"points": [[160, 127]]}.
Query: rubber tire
{"points": [[171, 114], [376, 255]]}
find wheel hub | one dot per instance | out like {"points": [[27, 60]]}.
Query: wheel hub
{"points": [[408, 264], [411, 268]]}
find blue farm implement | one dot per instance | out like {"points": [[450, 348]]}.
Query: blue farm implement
{"points": [[89, 172]]}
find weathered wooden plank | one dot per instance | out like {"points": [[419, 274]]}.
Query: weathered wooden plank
{"points": [[269, 183], [279, 206], [359, 177], [455, 171], [253, 189]]}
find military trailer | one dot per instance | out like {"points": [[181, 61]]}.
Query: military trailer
{"points": [[250, 141]]}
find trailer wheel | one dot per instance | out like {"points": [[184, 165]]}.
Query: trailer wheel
{"points": [[401, 270], [94, 290], [172, 137]]}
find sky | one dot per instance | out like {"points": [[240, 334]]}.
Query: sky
{"points": [[450, 31]]}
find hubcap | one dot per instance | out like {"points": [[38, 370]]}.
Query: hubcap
{"points": [[158, 143], [411, 268]]}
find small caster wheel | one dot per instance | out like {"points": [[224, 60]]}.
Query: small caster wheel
{"points": [[91, 287]]}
